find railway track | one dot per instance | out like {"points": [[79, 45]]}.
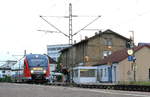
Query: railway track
{"points": [[142, 88]]}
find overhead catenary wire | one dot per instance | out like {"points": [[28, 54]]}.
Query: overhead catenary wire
{"points": [[86, 25], [47, 31], [54, 26], [70, 16]]}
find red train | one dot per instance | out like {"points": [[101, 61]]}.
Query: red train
{"points": [[32, 68]]}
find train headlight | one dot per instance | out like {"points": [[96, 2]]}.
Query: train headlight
{"points": [[44, 71], [32, 71]]}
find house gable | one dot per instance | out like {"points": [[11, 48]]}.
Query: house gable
{"points": [[90, 50]]}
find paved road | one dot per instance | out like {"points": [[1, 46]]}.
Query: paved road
{"points": [[29, 90]]}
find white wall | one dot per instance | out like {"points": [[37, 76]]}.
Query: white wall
{"points": [[53, 67], [7, 73], [84, 80], [104, 77], [114, 72]]}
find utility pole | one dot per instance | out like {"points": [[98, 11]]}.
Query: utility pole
{"points": [[70, 36], [134, 58], [25, 52], [70, 24]]}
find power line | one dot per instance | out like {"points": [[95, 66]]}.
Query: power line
{"points": [[70, 16], [54, 26], [47, 31], [86, 25]]}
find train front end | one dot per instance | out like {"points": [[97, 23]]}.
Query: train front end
{"points": [[38, 67]]}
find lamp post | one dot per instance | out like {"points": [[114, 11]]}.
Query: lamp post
{"points": [[131, 53]]}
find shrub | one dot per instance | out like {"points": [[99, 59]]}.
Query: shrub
{"points": [[5, 79]]}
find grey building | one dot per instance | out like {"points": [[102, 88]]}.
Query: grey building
{"points": [[5, 69], [54, 50]]}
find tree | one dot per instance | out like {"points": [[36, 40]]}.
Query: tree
{"points": [[59, 66]]}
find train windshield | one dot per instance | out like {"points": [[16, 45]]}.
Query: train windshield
{"points": [[38, 62]]}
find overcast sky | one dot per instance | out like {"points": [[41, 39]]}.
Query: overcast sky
{"points": [[19, 21]]}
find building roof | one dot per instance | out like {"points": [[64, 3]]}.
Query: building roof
{"points": [[51, 60], [108, 31], [57, 45], [118, 56], [143, 43], [8, 64]]}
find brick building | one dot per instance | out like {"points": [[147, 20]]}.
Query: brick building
{"points": [[89, 51]]}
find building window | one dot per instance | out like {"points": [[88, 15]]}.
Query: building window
{"points": [[75, 73], [108, 42], [87, 73], [106, 53], [54, 58], [3, 71], [51, 49], [3, 75], [105, 72], [59, 48], [101, 73]]}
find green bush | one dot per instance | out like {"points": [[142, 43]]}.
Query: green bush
{"points": [[59, 78], [5, 79]]}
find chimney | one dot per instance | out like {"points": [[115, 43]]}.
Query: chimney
{"points": [[75, 41], [100, 31], [96, 33], [86, 37]]}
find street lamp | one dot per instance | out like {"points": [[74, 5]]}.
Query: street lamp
{"points": [[131, 53]]}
